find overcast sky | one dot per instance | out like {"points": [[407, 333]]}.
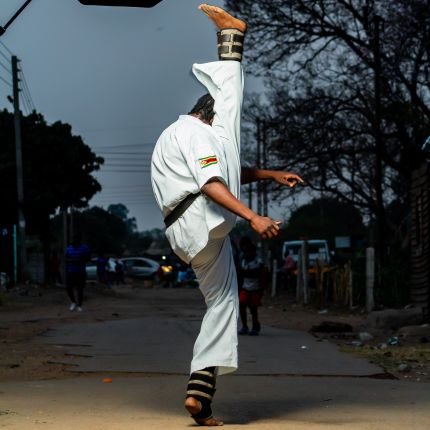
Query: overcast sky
{"points": [[119, 76]]}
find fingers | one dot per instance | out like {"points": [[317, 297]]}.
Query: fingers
{"points": [[266, 227], [272, 230], [293, 180], [288, 178]]}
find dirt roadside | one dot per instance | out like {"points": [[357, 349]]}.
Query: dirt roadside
{"points": [[29, 312]]}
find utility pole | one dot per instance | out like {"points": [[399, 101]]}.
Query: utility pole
{"points": [[250, 195], [19, 169], [264, 166], [65, 242], [258, 164], [379, 149], [72, 223]]}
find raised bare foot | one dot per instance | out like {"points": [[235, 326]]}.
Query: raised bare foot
{"points": [[221, 18], [193, 406]]}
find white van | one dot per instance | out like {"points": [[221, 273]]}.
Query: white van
{"points": [[317, 249]]}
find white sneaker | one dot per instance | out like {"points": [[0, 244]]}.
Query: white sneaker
{"points": [[72, 307], [79, 309]]}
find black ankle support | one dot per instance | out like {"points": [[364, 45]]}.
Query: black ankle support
{"points": [[230, 44], [201, 386]]}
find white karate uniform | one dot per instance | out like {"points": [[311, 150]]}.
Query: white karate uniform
{"points": [[186, 156]]}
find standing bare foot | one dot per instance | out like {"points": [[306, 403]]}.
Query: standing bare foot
{"points": [[194, 407], [222, 19]]}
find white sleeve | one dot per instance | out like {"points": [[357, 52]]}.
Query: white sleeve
{"points": [[202, 160]]}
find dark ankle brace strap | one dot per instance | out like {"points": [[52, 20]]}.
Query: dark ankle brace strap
{"points": [[230, 44], [202, 386]]}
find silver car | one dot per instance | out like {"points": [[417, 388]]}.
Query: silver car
{"points": [[91, 269], [140, 267]]}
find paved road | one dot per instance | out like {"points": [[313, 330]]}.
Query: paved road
{"points": [[287, 380], [269, 402], [153, 345]]}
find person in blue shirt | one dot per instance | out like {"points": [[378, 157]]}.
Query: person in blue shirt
{"points": [[77, 255]]}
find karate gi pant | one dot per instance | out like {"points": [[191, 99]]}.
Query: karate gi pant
{"points": [[217, 343]]}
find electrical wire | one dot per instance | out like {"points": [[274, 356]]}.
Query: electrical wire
{"points": [[27, 91], [5, 47], [6, 68], [5, 81], [4, 56], [124, 171], [119, 146], [123, 152], [109, 129], [24, 103]]}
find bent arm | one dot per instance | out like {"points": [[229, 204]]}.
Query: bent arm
{"points": [[220, 194], [250, 174]]}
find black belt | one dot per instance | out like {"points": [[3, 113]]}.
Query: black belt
{"points": [[180, 209]]}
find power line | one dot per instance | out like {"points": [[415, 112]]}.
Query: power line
{"points": [[5, 47], [4, 56], [128, 163], [6, 68], [139, 159], [24, 102], [124, 146], [125, 171], [27, 91], [128, 193], [124, 153], [5, 81], [132, 127]]}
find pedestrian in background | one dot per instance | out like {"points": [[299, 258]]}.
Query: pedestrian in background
{"points": [[54, 269], [252, 274], [101, 263], [77, 255]]}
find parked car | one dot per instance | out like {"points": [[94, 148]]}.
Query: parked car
{"points": [[91, 269], [141, 267]]}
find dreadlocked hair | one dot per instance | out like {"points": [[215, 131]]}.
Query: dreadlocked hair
{"points": [[204, 107]]}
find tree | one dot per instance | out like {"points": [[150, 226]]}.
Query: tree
{"points": [[348, 83], [325, 219], [57, 166], [104, 232], [121, 212]]}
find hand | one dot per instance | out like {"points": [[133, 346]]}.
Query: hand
{"points": [[287, 178], [266, 227]]}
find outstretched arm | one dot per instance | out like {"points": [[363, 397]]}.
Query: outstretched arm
{"points": [[266, 227], [250, 174]]}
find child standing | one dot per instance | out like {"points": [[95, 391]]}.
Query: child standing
{"points": [[251, 270]]}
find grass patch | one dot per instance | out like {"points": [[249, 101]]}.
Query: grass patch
{"points": [[415, 356]]}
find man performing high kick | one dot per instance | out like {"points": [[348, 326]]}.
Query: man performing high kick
{"points": [[196, 178]]}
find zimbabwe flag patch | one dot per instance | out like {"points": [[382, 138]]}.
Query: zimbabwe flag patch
{"points": [[208, 161]]}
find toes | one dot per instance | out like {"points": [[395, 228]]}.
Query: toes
{"points": [[204, 8], [209, 422]]}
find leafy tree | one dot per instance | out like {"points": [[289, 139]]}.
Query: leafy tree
{"points": [[121, 211], [104, 232], [57, 169], [325, 219]]}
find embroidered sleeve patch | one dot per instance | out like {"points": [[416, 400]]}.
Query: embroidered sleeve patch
{"points": [[208, 161]]}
